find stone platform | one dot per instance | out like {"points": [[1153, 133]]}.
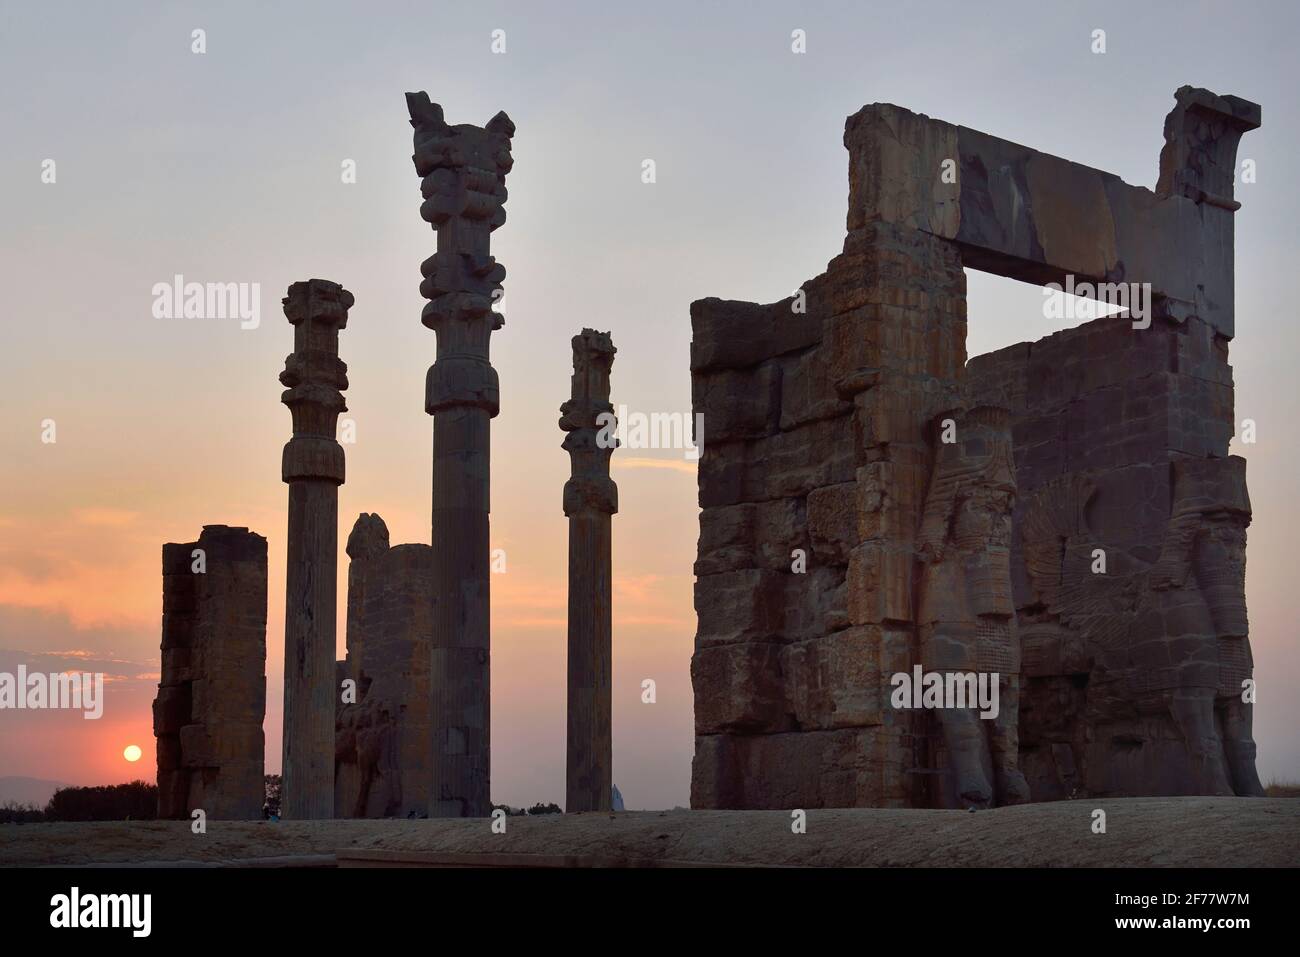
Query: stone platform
{"points": [[1140, 832]]}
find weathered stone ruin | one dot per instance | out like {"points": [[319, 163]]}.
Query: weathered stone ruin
{"points": [[590, 499], [871, 504], [400, 728], [314, 378], [211, 700], [1060, 522], [382, 750], [1134, 677], [462, 172]]}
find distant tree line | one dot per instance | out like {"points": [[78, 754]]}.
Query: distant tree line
{"points": [[538, 808], [138, 801], [135, 801], [14, 813]]}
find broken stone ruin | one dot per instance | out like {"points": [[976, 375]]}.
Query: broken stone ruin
{"points": [[923, 580], [1063, 513], [207, 717]]}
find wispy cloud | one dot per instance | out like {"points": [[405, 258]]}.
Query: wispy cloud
{"points": [[673, 465], [636, 588], [524, 621], [516, 592], [657, 621], [105, 517], [82, 655]]}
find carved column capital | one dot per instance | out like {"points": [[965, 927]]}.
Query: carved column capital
{"points": [[588, 418], [314, 378], [462, 173]]}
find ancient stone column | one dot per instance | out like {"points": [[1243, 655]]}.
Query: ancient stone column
{"points": [[590, 498], [314, 377], [462, 170]]}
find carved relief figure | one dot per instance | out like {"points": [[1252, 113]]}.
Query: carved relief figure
{"points": [[965, 613], [1159, 650]]}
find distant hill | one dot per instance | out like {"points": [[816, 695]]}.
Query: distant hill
{"points": [[34, 791]]}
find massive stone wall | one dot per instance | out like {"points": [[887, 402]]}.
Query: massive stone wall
{"points": [[383, 737], [858, 498], [211, 700], [812, 486], [1128, 560]]}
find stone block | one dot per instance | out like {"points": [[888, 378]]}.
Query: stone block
{"points": [[739, 688], [738, 404], [834, 681], [879, 584], [833, 522], [738, 606]]}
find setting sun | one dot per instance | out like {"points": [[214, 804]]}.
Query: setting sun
{"points": [[132, 752]]}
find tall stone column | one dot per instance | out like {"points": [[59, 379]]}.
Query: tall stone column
{"points": [[590, 498], [462, 170], [314, 377]]}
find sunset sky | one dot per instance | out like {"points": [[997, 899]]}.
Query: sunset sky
{"points": [[225, 166]]}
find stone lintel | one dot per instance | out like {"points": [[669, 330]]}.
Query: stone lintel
{"points": [[1027, 215]]}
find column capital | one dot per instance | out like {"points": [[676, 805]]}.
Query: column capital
{"points": [[314, 378], [588, 418], [462, 172]]}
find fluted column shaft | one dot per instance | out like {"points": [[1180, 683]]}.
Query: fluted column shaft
{"points": [[313, 467], [590, 498], [462, 170]]}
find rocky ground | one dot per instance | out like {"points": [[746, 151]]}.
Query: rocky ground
{"points": [[1176, 832]]}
